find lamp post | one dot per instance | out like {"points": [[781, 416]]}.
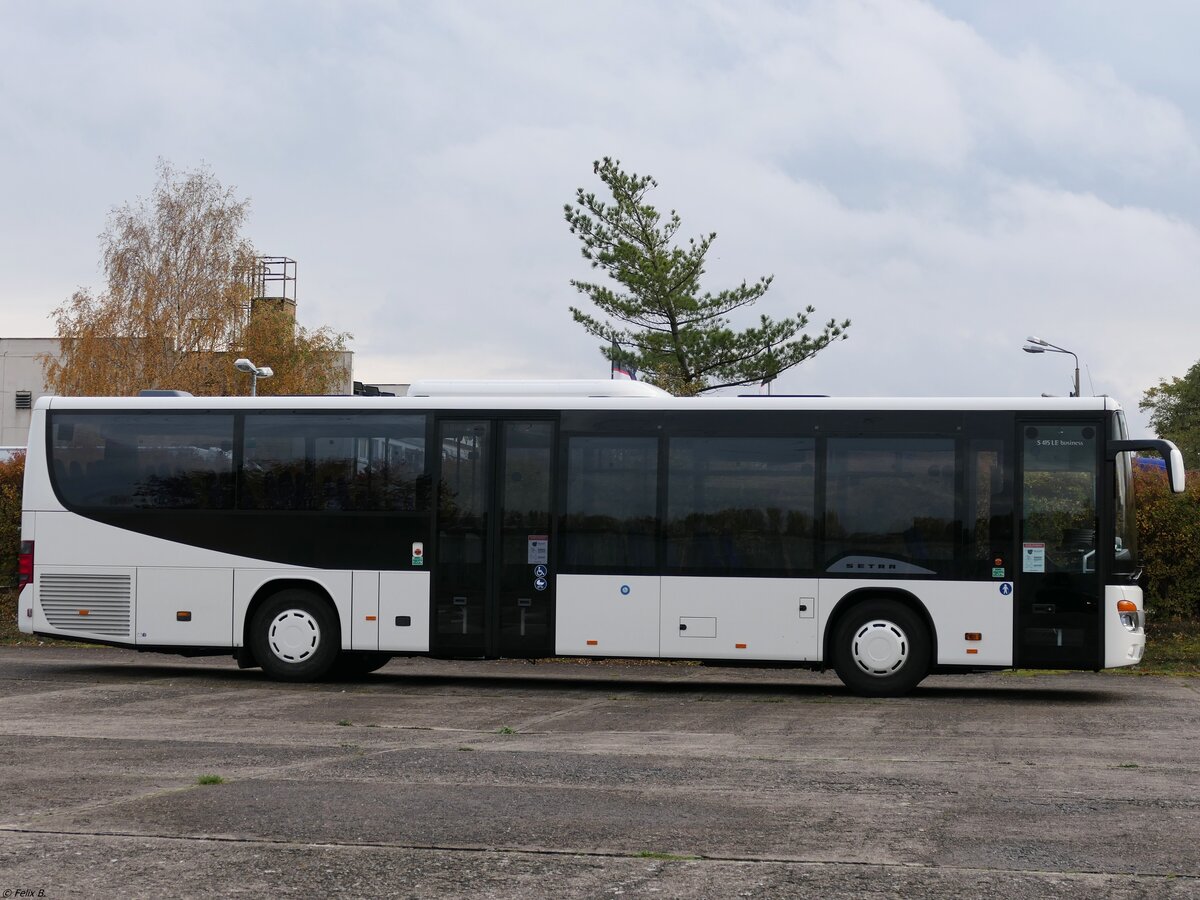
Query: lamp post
{"points": [[255, 372], [1037, 345]]}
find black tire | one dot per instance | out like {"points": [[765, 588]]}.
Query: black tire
{"points": [[881, 648], [357, 663], [295, 636]]}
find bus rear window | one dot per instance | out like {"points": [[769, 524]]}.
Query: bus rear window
{"points": [[143, 461]]}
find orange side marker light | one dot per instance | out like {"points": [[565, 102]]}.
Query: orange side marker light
{"points": [[1126, 606], [592, 643]]}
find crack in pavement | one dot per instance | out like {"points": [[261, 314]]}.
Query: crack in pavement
{"points": [[599, 853]]}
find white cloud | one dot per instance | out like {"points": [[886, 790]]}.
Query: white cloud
{"points": [[948, 189]]}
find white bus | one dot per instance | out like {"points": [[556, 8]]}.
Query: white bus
{"points": [[321, 536]]}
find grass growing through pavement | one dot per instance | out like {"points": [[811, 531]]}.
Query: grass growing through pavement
{"points": [[1172, 648], [8, 619], [670, 857], [11, 636], [210, 779]]}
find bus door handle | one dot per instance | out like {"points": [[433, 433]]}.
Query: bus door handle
{"points": [[1045, 609]]}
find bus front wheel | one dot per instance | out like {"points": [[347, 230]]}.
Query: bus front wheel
{"points": [[294, 635], [881, 648]]}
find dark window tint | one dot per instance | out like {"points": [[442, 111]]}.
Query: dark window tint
{"points": [[464, 492], [527, 465], [464, 501], [741, 504], [989, 508], [612, 486], [333, 462], [890, 499], [143, 460], [1058, 533]]}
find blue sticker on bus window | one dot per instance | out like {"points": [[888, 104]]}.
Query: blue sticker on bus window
{"points": [[539, 584], [624, 589], [539, 571], [1006, 589]]}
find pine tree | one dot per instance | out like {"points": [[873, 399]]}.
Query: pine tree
{"points": [[655, 316]]}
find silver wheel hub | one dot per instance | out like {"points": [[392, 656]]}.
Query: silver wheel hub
{"points": [[880, 648], [294, 636]]}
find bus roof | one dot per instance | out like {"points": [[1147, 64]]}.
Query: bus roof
{"points": [[654, 399]]}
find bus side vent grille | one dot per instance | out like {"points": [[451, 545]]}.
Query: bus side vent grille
{"points": [[106, 598]]}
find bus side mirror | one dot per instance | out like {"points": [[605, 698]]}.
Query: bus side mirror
{"points": [[1167, 450]]}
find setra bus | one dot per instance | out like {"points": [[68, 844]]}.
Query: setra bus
{"points": [[319, 536]]}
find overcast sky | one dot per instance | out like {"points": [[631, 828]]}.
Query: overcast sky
{"points": [[952, 176]]}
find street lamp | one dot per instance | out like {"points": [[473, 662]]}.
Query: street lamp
{"points": [[1037, 345], [244, 365]]}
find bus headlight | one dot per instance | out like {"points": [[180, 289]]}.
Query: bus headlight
{"points": [[1131, 617]]}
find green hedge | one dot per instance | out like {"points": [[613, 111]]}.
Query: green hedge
{"points": [[1169, 545], [12, 474]]}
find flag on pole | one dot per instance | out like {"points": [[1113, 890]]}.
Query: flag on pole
{"points": [[621, 370]]}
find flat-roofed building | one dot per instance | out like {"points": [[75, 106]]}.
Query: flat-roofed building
{"points": [[22, 381]]}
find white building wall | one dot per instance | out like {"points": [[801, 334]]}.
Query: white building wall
{"points": [[21, 370]]}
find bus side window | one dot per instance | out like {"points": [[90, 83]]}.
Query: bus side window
{"points": [[741, 504], [892, 498], [611, 516]]}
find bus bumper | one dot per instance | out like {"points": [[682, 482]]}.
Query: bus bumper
{"points": [[25, 610], [1124, 627]]}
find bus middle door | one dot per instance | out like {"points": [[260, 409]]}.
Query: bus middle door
{"points": [[493, 579]]}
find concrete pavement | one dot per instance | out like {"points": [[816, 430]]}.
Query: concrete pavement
{"points": [[508, 779]]}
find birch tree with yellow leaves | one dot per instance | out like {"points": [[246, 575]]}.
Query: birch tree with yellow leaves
{"points": [[176, 307]]}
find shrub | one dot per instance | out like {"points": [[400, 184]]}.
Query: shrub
{"points": [[12, 475], [1169, 544]]}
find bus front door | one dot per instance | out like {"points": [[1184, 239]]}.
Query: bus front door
{"points": [[1058, 587], [493, 583]]}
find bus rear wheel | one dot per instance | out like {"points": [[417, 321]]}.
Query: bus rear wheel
{"points": [[294, 636], [881, 648]]}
